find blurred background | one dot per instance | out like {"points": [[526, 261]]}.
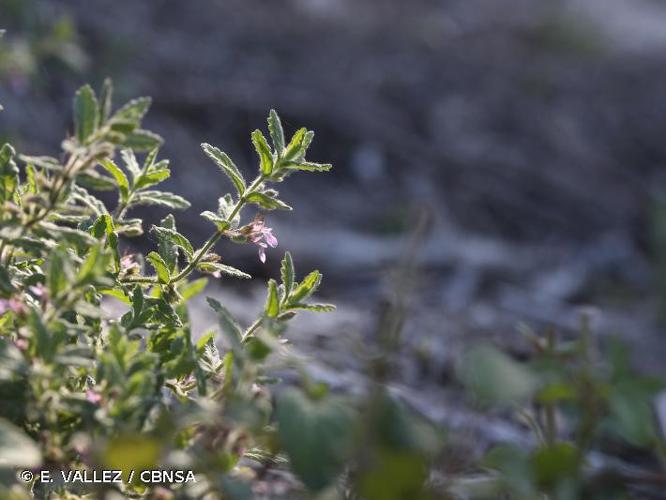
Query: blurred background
{"points": [[525, 138]]}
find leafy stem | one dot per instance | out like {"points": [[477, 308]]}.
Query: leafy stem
{"points": [[200, 253], [59, 183]]}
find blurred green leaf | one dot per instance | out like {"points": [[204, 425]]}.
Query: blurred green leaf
{"points": [[161, 198], [228, 324], [119, 176], [160, 266], [132, 112], [142, 140], [86, 113], [317, 436], [493, 378], [631, 414], [556, 462], [395, 476]]}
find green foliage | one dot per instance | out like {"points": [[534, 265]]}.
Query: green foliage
{"points": [[316, 434], [494, 379], [573, 402], [42, 38], [137, 387], [85, 389]]}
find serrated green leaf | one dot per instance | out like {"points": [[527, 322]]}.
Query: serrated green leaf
{"points": [[220, 222], [307, 140], [203, 340], [73, 236], [105, 99], [168, 222], [287, 273], [103, 226], [143, 140], [166, 313], [308, 166], [215, 267], [95, 204], [96, 181], [86, 113], [295, 147], [264, 152], [227, 322], [130, 227], [166, 248], [175, 238], [313, 307], [160, 266], [226, 165], [227, 209], [133, 111], [45, 162], [119, 176], [120, 129], [276, 132], [130, 162], [226, 205], [150, 158], [265, 201], [31, 179], [306, 288], [151, 178], [161, 198], [272, 307]]}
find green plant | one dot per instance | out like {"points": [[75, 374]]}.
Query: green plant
{"points": [[41, 37], [84, 391], [583, 404]]}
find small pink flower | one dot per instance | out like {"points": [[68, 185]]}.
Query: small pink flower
{"points": [[21, 344], [93, 396], [38, 290], [129, 264], [258, 233], [127, 261], [12, 304]]}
